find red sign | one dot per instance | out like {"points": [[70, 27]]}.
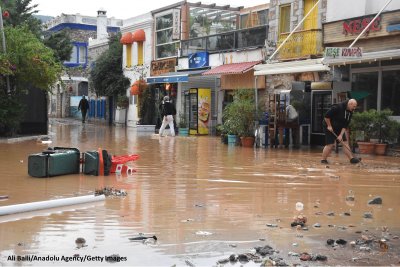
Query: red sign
{"points": [[356, 26]]}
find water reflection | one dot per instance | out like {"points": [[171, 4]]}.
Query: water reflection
{"points": [[184, 185]]}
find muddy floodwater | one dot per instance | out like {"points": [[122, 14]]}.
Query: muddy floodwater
{"points": [[203, 200]]}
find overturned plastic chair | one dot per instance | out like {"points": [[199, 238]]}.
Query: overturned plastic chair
{"points": [[118, 164]]}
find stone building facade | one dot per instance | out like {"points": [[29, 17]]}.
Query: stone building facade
{"points": [[74, 79]]}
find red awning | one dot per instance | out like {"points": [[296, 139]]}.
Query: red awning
{"points": [[234, 68]]}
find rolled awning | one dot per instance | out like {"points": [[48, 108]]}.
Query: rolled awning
{"points": [[290, 67], [233, 68]]}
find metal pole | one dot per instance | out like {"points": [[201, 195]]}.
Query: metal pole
{"points": [[256, 95], [291, 33], [369, 24], [3, 37]]}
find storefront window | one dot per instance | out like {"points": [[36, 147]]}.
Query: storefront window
{"points": [[391, 91], [207, 21], [165, 45], [366, 84]]}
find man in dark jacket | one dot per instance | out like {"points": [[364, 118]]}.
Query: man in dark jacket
{"points": [[84, 107], [336, 128], [167, 110]]}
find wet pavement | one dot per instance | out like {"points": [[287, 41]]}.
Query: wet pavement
{"points": [[203, 200]]}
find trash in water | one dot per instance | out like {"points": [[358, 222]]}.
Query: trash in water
{"points": [[80, 242], [299, 206], [141, 237], [187, 220], [204, 233], [110, 191]]}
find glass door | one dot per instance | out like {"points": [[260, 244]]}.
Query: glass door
{"points": [[321, 103], [193, 122]]}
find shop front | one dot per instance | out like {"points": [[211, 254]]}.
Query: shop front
{"points": [[374, 76], [305, 85], [232, 77], [191, 94]]}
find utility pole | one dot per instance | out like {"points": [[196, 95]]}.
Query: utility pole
{"points": [[3, 37]]}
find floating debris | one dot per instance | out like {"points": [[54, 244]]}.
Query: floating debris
{"points": [[142, 238], [299, 206], [299, 220], [293, 254], [330, 242], [110, 191], [341, 242], [375, 201], [265, 250], [80, 242], [187, 220], [309, 257], [203, 233], [4, 197], [368, 215], [272, 225]]}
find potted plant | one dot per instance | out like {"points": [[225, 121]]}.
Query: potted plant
{"points": [[122, 102], [385, 130], [239, 117], [362, 125], [183, 125]]}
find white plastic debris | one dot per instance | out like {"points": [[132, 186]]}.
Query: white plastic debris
{"points": [[299, 206], [203, 233]]}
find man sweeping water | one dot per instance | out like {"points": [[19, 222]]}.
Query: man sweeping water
{"points": [[336, 128]]}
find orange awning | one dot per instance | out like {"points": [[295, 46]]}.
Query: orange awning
{"points": [[126, 38], [139, 36], [234, 68]]}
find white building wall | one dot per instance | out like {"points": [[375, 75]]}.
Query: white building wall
{"points": [[144, 22], [356, 8], [373, 6]]}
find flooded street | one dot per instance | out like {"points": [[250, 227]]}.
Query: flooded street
{"points": [[203, 200]]}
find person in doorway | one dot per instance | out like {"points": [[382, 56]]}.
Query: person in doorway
{"points": [[83, 107], [336, 128], [292, 121], [167, 111]]}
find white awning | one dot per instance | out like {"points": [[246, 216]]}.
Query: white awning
{"points": [[367, 57], [290, 67]]}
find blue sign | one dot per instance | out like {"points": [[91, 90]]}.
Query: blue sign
{"points": [[198, 60], [168, 79], [393, 28]]}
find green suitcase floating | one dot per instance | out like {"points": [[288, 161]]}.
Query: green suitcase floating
{"points": [[58, 161]]}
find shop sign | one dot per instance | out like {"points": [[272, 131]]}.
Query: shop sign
{"points": [[198, 60], [321, 85], [343, 52], [356, 26], [176, 22], [162, 66]]}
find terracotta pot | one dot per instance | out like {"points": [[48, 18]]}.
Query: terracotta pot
{"points": [[380, 149], [247, 141], [366, 147]]}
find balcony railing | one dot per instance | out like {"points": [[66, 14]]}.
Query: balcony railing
{"points": [[239, 39], [301, 44]]}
